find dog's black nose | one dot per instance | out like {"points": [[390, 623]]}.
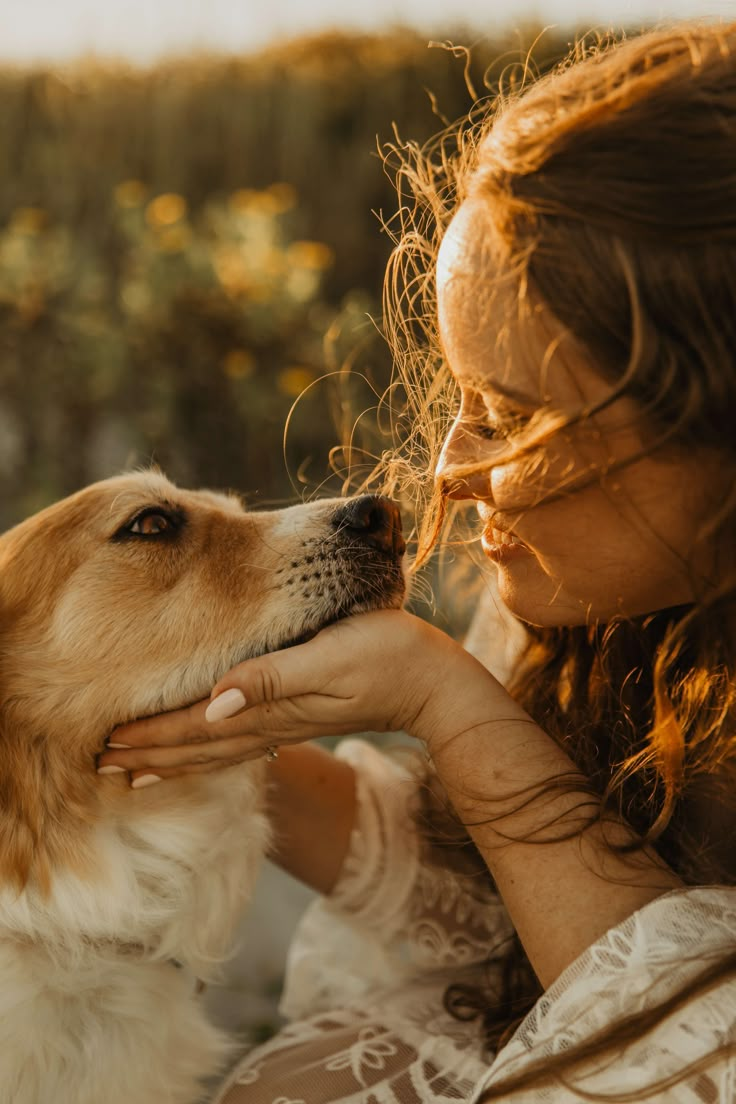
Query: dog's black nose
{"points": [[375, 520]]}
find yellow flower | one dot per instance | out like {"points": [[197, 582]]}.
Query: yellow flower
{"points": [[242, 199], [273, 200], [292, 381], [173, 239], [165, 210], [310, 254], [283, 196], [130, 193], [231, 269], [238, 364], [28, 220]]}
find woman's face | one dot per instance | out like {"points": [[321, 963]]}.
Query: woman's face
{"points": [[624, 543]]}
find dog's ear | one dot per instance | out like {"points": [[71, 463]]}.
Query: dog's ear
{"points": [[47, 793], [44, 800], [46, 805], [19, 821], [16, 795]]}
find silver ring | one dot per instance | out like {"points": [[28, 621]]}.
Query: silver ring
{"points": [[271, 754]]}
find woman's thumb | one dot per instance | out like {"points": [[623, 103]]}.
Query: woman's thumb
{"points": [[268, 678], [224, 704]]}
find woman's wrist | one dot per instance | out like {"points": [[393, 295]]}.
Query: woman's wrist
{"points": [[535, 820], [447, 714]]}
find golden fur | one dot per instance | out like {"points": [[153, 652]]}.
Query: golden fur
{"points": [[130, 598]]}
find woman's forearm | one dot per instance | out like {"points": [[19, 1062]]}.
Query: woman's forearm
{"points": [[312, 807], [495, 764]]}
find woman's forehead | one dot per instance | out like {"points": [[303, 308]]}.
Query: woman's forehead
{"points": [[495, 339], [469, 247]]}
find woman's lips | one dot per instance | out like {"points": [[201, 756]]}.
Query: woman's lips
{"points": [[499, 545]]}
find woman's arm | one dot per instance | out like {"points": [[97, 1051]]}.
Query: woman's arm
{"points": [[388, 671], [312, 807], [495, 764]]}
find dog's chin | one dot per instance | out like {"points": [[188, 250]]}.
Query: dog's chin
{"points": [[186, 689], [309, 634], [348, 609]]}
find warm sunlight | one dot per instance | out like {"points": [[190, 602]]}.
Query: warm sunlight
{"points": [[45, 29]]}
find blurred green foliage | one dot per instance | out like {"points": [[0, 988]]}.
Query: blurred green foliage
{"points": [[186, 250]]}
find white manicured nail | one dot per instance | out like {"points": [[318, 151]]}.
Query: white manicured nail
{"points": [[225, 705], [110, 744], [144, 780], [111, 769]]}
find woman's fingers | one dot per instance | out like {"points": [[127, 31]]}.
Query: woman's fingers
{"points": [[182, 726], [176, 760], [343, 680], [143, 778], [290, 673]]}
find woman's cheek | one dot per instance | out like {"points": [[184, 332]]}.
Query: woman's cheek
{"points": [[506, 485], [559, 468], [522, 484]]}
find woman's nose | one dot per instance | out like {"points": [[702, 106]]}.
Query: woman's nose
{"points": [[462, 469]]}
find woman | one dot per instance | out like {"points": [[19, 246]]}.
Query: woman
{"points": [[586, 311]]}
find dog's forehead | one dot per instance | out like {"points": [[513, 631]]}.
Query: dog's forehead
{"points": [[122, 494]]}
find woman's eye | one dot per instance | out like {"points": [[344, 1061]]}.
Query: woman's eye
{"points": [[486, 431], [482, 427]]}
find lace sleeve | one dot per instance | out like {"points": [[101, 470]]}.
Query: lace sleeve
{"points": [[635, 966], [391, 915]]}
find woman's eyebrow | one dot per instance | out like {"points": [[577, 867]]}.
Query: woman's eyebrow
{"points": [[514, 396], [482, 384], [508, 394]]}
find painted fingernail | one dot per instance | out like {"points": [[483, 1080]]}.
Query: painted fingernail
{"points": [[145, 780], [225, 705], [111, 745], [111, 769]]}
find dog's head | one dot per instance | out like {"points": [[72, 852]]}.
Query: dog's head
{"points": [[132, 597]]}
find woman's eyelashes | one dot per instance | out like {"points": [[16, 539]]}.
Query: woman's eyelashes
{"points": [[484, 418], [496, 425], [485, 429]]}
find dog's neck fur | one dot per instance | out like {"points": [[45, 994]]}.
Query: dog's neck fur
{"points": [[171, 880], [90, 957]]}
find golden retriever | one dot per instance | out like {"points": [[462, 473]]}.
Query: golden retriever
{"points": [[129, 598]]}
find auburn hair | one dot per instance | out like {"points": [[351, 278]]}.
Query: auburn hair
{"points": [[611, 183]]}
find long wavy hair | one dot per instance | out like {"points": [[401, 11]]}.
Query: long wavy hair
{"points": [[611, 184]]}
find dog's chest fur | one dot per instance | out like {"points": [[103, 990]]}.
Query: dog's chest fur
{"points": [[98, 1001]]}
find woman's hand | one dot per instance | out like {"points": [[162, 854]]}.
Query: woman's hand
{"points": [[376, 672], [531, 815]]}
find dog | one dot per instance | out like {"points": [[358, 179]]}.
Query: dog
{"points": [[130, 598]]}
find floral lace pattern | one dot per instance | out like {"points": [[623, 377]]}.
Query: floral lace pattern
{"points": [[635, 966], [369, 967]]}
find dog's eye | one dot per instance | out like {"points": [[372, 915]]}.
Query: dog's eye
{"points": [[152, 522]]}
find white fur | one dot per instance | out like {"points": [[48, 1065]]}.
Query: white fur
{"points": [[85, 1019], [98, 970]]}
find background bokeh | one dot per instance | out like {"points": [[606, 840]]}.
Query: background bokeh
{"points": [[192, 253], [188, 250]]}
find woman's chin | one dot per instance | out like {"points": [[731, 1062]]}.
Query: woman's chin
{"points": [[537, 600]]}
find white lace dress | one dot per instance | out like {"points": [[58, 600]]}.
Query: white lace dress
{"points": [[369, 966]]}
